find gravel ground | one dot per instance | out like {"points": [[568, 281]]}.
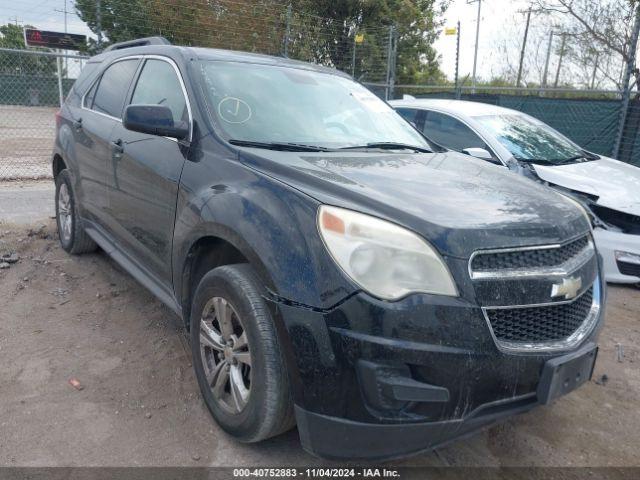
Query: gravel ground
{"points": [[64, 317], [27, 135]]}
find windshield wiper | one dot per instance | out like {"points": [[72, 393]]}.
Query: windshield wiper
{"points": [[389, 146], [281, 146], [585, 156], [535, 160], [563, 161]]}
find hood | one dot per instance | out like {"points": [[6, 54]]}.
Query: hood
{"points": [[616, 184], [458, 203]]}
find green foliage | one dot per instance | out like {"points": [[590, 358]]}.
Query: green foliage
{"points": [[12, 36], [320, 31]]}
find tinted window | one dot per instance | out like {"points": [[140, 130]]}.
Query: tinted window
{"points": [[88, 98], [158, 84], [450, 133], [409, 114], [113, 86], [81, 84]]}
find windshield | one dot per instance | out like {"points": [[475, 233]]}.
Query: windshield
{"points": [[530, 140], [264, 103]]}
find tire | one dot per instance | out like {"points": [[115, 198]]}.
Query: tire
{"points": [[267, 409], [73, 238]]}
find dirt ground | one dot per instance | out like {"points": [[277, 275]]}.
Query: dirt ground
{"points": [[64, 317]]}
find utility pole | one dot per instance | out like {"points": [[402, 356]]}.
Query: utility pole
{"points": [[475, 53], [562, 45], [626, 89], [64, 11], [595, 70], [99, 23], [353, 54], [457, 93], [391, 63], [546, 62], [287, 33], [524, 46]]}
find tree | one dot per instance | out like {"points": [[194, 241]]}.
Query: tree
{"points": [[417, 24], [321, 31], [12, 36], [598, 34]]}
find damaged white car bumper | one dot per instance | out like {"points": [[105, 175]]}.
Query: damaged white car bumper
{"points": [[620, 254]]}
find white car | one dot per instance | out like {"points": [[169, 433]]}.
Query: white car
{"points": [[608, 188]]}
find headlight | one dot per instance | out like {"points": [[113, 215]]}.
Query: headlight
{"points": [[585, 210], [384, 259]]}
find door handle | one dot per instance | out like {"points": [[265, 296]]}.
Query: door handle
{"points": [[117, 147], [77, 124]]}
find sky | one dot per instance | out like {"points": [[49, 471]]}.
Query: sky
{"points": [[497, 19], [502, 23]]}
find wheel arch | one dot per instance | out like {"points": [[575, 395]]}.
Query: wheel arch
{"points": [[58, 164], [216, 248]]}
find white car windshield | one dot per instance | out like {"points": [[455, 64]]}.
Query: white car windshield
{"points": [[530, 140], [265, 103]]}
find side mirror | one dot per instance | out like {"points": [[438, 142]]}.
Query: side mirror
{"points": [[481, 153], [154, 120]]}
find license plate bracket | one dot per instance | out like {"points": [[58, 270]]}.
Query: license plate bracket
{"points": [[564, 374]]}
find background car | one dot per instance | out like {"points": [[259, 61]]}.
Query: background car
{"points": [[608, 188]]}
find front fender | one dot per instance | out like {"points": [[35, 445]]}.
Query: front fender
{"points": [[272, 224]]}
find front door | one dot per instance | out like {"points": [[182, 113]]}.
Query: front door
{"points": [[145, 173]]}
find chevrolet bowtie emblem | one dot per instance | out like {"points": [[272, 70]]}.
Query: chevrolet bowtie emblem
{"points": [[568, 289]]}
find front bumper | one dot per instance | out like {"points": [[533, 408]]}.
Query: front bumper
{"points": [[608, 243], [339, 438], [375, 379]]}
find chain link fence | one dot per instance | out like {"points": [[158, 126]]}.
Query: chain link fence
{"points": [[32, 85]]}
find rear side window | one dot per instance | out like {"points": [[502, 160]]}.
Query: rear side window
{"points": [[113, 86], [450, 132], [158, 84], [85, 76], [82, 83], [409, 114], [88, 98]]}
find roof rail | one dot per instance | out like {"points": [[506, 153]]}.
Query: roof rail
{"points": [[139, 42]]}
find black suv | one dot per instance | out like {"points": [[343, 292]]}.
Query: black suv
{"points": [[334, 268]]}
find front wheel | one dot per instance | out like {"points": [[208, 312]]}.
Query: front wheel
{"points": [[237, 357]]}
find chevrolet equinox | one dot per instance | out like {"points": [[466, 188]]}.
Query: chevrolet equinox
{"points": [[335, 269]]}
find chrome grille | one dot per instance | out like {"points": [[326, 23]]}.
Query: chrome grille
{"points": [[540, 323], [515, 286], [529, 257]]}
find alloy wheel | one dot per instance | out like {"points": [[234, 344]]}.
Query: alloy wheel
{"points": [[226, 356], [64, 212]]}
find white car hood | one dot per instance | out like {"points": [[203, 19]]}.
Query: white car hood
{"points": [[617, 184]]}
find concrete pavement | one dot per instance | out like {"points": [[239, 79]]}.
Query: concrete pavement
{"points": [[26, 202]]}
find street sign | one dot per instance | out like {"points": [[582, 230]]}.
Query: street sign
{"points": [[450, 31], [360, 38], [63, 41]]}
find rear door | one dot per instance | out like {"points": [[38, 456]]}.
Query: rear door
{"points": [[146, 172], [100, 112]]}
